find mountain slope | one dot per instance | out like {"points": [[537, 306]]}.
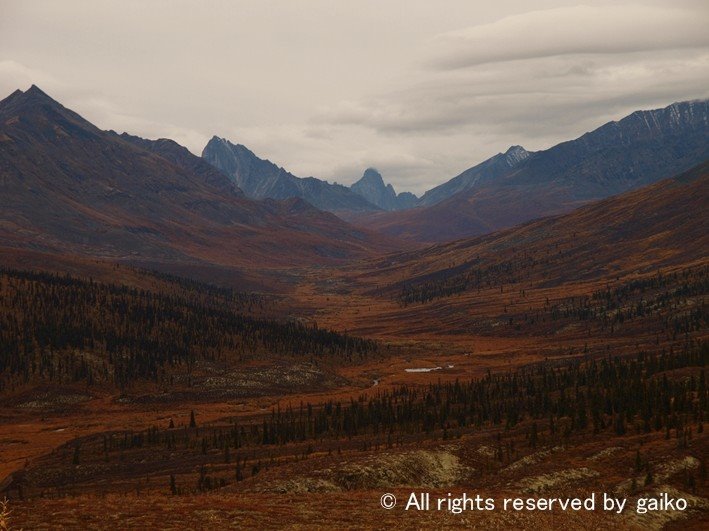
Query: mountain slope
{"points": [[260, 179], [619, 156], [484, 172], [68, 187], [657, 226], [371, 186], [181, 156], [633, 265]]}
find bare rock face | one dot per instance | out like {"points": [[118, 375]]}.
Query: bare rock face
{"points": [[518, 186], [67, 186], [371, 186], [485, 172], [262, 179]]}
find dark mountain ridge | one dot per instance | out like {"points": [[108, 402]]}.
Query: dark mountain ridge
{"points": [[638, 232], [371, 186], [68, 187], [261, 179], [617, 157], [486, 171]]}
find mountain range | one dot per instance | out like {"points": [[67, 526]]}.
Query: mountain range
{"points": [[502, 191], [640, 231], [536, 272], [261, 179], [68, 187], [518, 186]]}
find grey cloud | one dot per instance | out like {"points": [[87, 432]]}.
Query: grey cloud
{"points": [[573, 30], [328, 92], [544, 93]]}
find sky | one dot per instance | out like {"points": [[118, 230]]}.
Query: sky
{"points": [[420, 90]]}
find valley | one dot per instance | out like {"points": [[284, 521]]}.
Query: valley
{"points": [[174, 353]]}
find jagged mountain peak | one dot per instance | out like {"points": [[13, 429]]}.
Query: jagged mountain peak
{"points": [[487, 171], [371, 186], [515, 154], [69, 187], [218, 142], [262, 179], [34, 111], [32, 95], [647, 124], [181, 156], [16, 94], [36, 92], [616, 157], [372, 175], [643, 126]]}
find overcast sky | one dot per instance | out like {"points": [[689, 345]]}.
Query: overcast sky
{"points": [[420, 90]]}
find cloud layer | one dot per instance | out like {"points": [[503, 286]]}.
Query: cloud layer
{"points": [[574, 30], [420, 91]]}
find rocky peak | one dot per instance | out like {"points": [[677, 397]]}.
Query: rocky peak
{"points": [[37, 93], [371, 186], [33, 97], [372, 176], [262, 179], [35, 112], [515, 155]]}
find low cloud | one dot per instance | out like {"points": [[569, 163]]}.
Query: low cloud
{"points": [[329, 92], [471, 114], [615, 29]]}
